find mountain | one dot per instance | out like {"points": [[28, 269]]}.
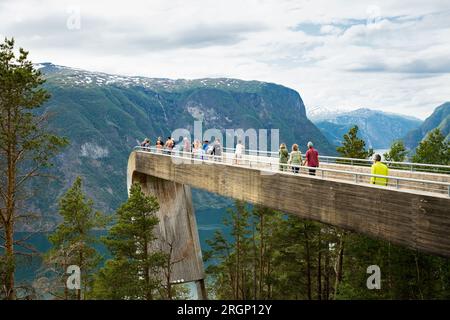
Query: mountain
{"points": [[103, 115], [440, 118], [377, 128], [318, 114]]}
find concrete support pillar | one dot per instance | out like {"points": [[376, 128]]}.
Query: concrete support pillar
{"points": [[201, 290], [177, 229]]}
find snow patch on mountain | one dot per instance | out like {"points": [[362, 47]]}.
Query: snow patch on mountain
{"points": [[77, 77], [322, 113]]}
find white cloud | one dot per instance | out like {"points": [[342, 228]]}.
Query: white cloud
{"points": [[330, 29], [347, 53]]}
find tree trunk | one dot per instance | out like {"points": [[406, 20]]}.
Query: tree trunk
{"points": [[147, 270], [319, 269], [169, 273], [9, 220], [327, 272], [232, 276], [339, 262], [81, 268], [419, 283], [238, 253], [244, 285], [269, 285], [308, 264], [65, 265], [255, 289], [169, 285], [10, 261], [389, 269], [261, 255]]}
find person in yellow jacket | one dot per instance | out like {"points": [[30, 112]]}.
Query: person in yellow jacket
{"points": [[379, 169]]}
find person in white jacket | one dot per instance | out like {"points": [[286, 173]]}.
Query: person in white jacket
{"points": [[238, 152]]}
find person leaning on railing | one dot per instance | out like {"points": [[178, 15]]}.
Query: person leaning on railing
{"points": [[381, 169]]}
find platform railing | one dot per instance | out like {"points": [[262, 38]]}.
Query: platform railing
{"points": [[271, 165], [410, 166]]}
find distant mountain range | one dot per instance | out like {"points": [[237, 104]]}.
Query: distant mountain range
{"points": [[377, 128], [440, 118], [103, 115]]}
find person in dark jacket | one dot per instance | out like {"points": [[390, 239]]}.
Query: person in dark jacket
{"points": [[145, 143]]}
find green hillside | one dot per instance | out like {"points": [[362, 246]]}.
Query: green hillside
{"points": [[440, 118]]}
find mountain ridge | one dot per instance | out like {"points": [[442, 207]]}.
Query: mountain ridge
{"points": [[160, 84], [440, 118], [320, 113], [379, 129]]}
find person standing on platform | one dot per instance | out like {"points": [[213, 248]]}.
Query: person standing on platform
{"points": [[238, 152], [381, 169], [217, 150], [295, 160], [284, 156], [311, 159]]}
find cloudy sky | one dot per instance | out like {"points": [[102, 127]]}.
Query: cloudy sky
{"points": [[389, 55]]}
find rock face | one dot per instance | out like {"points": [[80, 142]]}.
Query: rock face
{"points": [[377, 128], [104, 115], [439, 119]]}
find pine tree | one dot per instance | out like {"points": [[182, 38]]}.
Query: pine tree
{"points": [[266, 225], [352, 146], [73, 240], [221, 270], [135, 271], [397, 152], [293, 260], [434, 149], [233, 276], [405, 274], [285, 257], [26, 147]]}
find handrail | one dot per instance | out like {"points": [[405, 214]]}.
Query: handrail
{"points": [[187, 155], [411, 165]]}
